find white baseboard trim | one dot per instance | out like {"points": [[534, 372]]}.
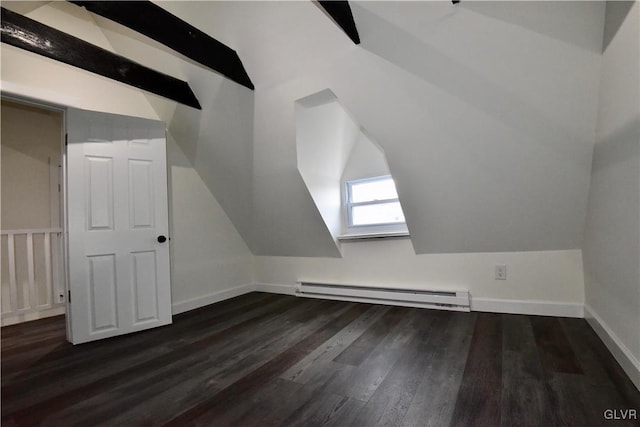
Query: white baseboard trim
{"points": [[539, 308], [192, 304], [275, 289], [536, 308], [630, 364], [36, 315]]}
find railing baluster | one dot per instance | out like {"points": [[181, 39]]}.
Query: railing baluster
{"points": [[52, 260], [56, 259], [13, 289], [33, 299], [47, 268]]}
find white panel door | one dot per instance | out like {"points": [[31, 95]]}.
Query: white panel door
{"points": [[117, 223]]}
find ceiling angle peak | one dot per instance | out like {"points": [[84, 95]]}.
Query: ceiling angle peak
{"points": [[340, 12], [162, 26]]}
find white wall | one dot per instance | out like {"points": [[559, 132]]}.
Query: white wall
{"points": [[486, 119], [285, 217], [325, 136], [366, 160], [210, 261], [209, 258], [487, 125], [546, 282], [222, 148], [485, 113], [30, 158], [612, 241]]}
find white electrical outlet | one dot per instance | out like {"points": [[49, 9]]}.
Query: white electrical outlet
{"points": [[501, 272]]}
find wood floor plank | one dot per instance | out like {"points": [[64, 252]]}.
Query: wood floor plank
{"points": [[554, 348], [600, 368], [73, 372], [390, 402], [576, 403], [480, 394], [57, 365], [22, 343], [212, 365], [193, 380], [35, 413], [325, 409], [360, 382], [219, 402], [270, 405], [435, 399], [525, 399], [319, 363], [360, 349], [263, 359]]}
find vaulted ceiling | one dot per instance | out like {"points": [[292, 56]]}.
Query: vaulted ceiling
{"points": [[485, 110]]}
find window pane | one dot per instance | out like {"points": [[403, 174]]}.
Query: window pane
{"points": [[383, 213], [369, 191]]}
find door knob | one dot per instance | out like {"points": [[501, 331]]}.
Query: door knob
{"points": [[162, 239]]}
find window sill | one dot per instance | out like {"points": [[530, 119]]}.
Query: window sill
{"points": [[370, 236]]}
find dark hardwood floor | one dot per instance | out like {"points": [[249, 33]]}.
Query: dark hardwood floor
{"points": [[268, 360]]}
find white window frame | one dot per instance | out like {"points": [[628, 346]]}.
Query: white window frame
{"points": [[349, 205]]}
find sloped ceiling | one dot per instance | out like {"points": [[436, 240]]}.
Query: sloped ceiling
{"points": [[162, 26], [486, 112], [35, 37]]}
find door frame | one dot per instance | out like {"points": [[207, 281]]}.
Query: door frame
{"points": [[53, 106], [62, 198]]}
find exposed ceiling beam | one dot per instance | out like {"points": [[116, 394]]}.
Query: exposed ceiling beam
{"points": [[340, 11], [156, 23], [27, 34]]}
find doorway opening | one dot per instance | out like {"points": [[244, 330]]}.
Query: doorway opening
{"points": [[32, 261], [84, 218]]}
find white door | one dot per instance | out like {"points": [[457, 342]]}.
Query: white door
{"points": [[117, 223]]}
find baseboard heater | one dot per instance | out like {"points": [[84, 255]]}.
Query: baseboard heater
{"points": [[443, 300]]}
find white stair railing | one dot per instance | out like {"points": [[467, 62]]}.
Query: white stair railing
{"points": [[48, 284]]}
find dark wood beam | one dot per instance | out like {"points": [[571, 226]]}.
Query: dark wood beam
{"points": [[340, 12], [156, 23], [30, 35]]}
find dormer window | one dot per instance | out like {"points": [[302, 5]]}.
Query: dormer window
{"points": [[373, 202]]}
